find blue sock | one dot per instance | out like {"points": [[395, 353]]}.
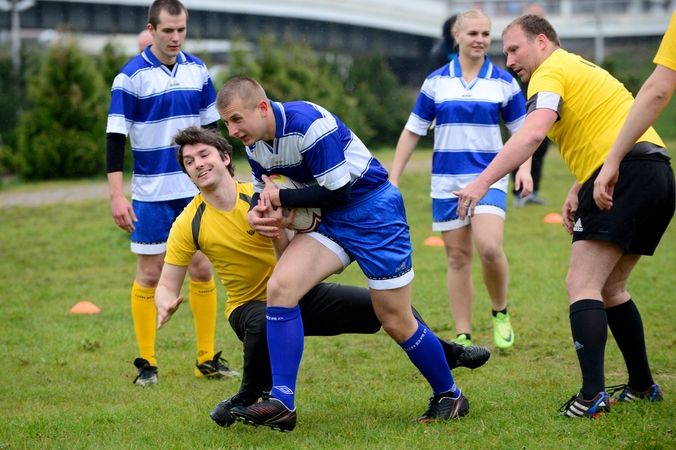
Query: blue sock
{"points": [[285, 344], [426, 353]]}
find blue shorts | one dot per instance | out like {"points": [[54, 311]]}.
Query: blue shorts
{"points": [[373, 230], [154, 223], [445, 210]]}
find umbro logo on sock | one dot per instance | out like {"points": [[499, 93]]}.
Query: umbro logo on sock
{"points": [[578, 225]]}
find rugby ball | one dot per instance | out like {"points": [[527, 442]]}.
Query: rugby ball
{"points": [[305, 219]]}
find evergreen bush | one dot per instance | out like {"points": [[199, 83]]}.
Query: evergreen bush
{"points": [[63, 134]]}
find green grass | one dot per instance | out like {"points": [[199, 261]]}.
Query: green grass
{"points": [[68, 378]]}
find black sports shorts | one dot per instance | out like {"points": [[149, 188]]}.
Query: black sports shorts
{"points": [[643, 205]]}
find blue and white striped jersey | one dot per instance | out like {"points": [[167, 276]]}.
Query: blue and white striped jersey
{"points": [[313, 146], [467, 131], [150, 104]]}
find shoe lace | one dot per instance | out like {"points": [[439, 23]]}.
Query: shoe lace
{"points": [[216, 362], [611, 390], [433, 407], [567, 404]]}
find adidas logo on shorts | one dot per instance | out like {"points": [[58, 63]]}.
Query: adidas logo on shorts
{"points": [[578, 225]]}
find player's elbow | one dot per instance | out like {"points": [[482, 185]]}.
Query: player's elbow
{"points": [[342, 195], [534, 138]]}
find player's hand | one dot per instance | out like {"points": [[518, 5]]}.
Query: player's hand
{"points": [[604, 186], [568, 211], [283, 215], [123, 213], [166, 309], [261, 218], [468, 198], [273, 191], [523, 181]]}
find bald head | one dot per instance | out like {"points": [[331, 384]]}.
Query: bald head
{"points": [[535, 8], [144, 40]]}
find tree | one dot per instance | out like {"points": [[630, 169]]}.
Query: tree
{"points": [[111, 61], [381, 98], [63, 134], [291, 71]]}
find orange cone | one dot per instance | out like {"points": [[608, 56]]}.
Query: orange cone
{"points": [[553, 218], [434, 241], [85, 308]]}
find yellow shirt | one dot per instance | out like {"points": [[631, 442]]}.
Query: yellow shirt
{"points": [[666, 54], [593, 107], [242, 258]]}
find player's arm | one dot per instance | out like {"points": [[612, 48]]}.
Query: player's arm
{"points": [[516, 151], [167, 294], [122, 211], [407, 142], [314, 196], [279, 245], [650, 101]]}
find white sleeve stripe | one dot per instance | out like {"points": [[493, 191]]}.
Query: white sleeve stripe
{"points": [[545, 100]]}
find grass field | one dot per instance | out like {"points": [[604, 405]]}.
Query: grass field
{"points": [[68, 380]]}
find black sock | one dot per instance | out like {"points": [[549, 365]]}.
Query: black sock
{"points": [[627, 327], [495, 313], [589, 326]]}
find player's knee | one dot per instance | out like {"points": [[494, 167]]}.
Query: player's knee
{"points": [[491, 254], [148, 276], [200, 269], [279, 292]]}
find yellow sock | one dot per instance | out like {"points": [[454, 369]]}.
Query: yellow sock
{"points": [[145, 320], [204, 305]]}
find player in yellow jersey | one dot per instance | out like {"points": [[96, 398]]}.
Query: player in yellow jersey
{"points": [[581, 107], [215, 223]]}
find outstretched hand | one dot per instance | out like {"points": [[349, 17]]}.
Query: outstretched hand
{"points": [[166, 309]]}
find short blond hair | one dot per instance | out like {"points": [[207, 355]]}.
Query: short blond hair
{"points": [[244, 88]]}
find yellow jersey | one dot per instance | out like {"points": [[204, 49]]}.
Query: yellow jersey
{"points": [[592, 107], [243, 259], [666, 54]]}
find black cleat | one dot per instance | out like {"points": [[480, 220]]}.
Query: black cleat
{"points": [[471, 356], [628, 395], [270, 413], [579, 407], [147, 374], [445, 407], [221, 412], [215, 369]]}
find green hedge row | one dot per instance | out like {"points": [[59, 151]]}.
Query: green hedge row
{"points": [[53, 122]]}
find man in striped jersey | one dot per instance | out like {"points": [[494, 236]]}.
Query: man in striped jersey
{"points": [[363, 219], [155, 94]]}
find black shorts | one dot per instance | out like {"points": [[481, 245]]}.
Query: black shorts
{"points": [[643, 205], [328, 309]]}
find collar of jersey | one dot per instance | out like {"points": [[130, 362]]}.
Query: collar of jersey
{"points": [[278, 108], [483, 73], [152, 59]]}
